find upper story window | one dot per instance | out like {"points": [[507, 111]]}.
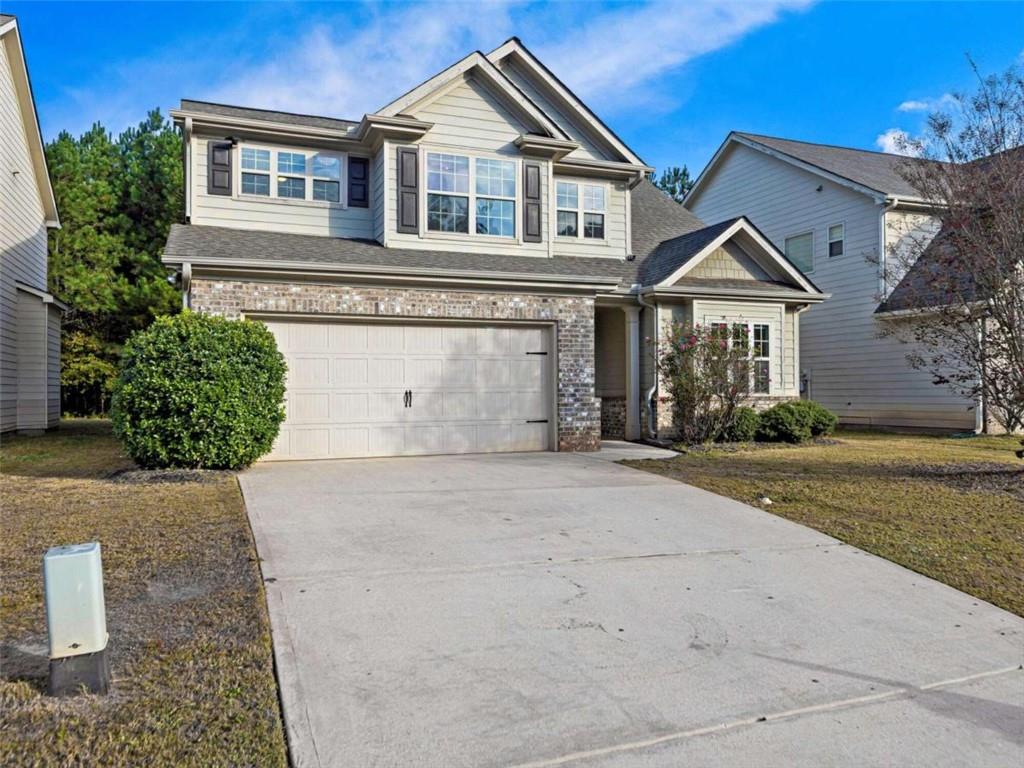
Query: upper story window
{"points": [[836, 240], [571, 214], [255, 160], [299, 175], [800, 251], [471, 194]]}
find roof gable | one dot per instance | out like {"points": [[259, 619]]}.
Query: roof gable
{"points": [[484, 72], [14, 54], [681, 257], [875, 174], [556, 93]]}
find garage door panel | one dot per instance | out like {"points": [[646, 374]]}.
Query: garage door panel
{"points": [[386, 372], [425, 372], [387, 441], [385, 338], [493, 405], [308, 337], [493, 341], [460, 439], [350, 372], [473, 389], [459, 405], [350, 441], [459, 340], [311, 442], [424, 339], [492, 373], [310, 407], [527, 406], [424, 440], [526, 374], [459, 372], [308, 371], [347, 338], [526, 340], [350, 406], [387, 406]]}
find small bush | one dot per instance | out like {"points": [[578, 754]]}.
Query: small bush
{"points": [[743, 429], [784, 423], [819, 418], [199, 391]]}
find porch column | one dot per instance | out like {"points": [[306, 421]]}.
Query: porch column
{"points": [[632, 372]]}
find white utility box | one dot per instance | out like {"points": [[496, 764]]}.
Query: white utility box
{"points": [[76, 617]]}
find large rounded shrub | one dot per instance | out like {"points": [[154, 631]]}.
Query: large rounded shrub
{"points": [[820, 419], [784, 423], [199, 391], [743, 428]]}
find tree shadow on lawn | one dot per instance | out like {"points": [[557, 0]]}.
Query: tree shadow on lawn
{"points": [[79, 449]]}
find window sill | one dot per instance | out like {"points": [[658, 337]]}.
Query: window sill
{"points": [[290, 201], [463, 238]]}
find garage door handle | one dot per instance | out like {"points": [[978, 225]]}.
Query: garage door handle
{"points": [[407, 398], [410, 398]]}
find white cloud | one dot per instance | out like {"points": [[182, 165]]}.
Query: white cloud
{"points": [[928, 105], [896, 141], [350, 72], [345, 64], [611, 56]]}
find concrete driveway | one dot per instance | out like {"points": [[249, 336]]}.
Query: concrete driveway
{"points": [[559, 609]]}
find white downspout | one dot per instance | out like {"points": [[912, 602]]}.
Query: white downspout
{"points": [[652, 431]]}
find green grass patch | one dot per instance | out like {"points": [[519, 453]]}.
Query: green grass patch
{"points": [[189, 632], [951, 509]]}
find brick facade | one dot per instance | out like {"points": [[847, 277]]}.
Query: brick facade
{"points": [[613, 417], [579, 417]]}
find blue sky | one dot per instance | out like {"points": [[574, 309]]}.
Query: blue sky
{"points": [[671, 78]]}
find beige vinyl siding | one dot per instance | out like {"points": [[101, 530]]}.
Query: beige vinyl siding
{"points": [[906, 232], [610, 352], [469, 117], [302, 217], [53, 322], [729, 262], [863, 378], [377, 193], [590, 145], [23, 248], [781, 357], [614, 245], [33, 347]]}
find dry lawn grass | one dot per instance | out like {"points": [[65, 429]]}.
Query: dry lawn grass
{"points": [[951, 509], [189, 633]]}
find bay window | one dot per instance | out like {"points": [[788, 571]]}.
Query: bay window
{"points": [[570, 213], [483, 190]]}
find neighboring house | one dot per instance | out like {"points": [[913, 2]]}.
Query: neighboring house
{"points": [[29, 316], [466, 269], [839, 213]]}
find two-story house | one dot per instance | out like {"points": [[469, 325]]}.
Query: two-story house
{"points": [[30, 317], [467, 269], [839, 214]]}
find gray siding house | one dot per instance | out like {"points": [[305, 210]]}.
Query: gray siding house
{"points": [[837, 213], [466, 269], [29, 316]]}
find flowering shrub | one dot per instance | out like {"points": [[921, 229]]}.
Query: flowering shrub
{"points": [[706, 370]]}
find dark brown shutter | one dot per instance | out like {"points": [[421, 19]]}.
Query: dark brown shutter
{"points": [[218, 173], [531, 203], [408, 190], [358, 182]]}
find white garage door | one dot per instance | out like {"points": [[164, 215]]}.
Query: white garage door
{"points": [[385, 389]]}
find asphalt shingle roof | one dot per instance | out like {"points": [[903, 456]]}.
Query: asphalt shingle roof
{"points": [[289, 118], [876, 170]]}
